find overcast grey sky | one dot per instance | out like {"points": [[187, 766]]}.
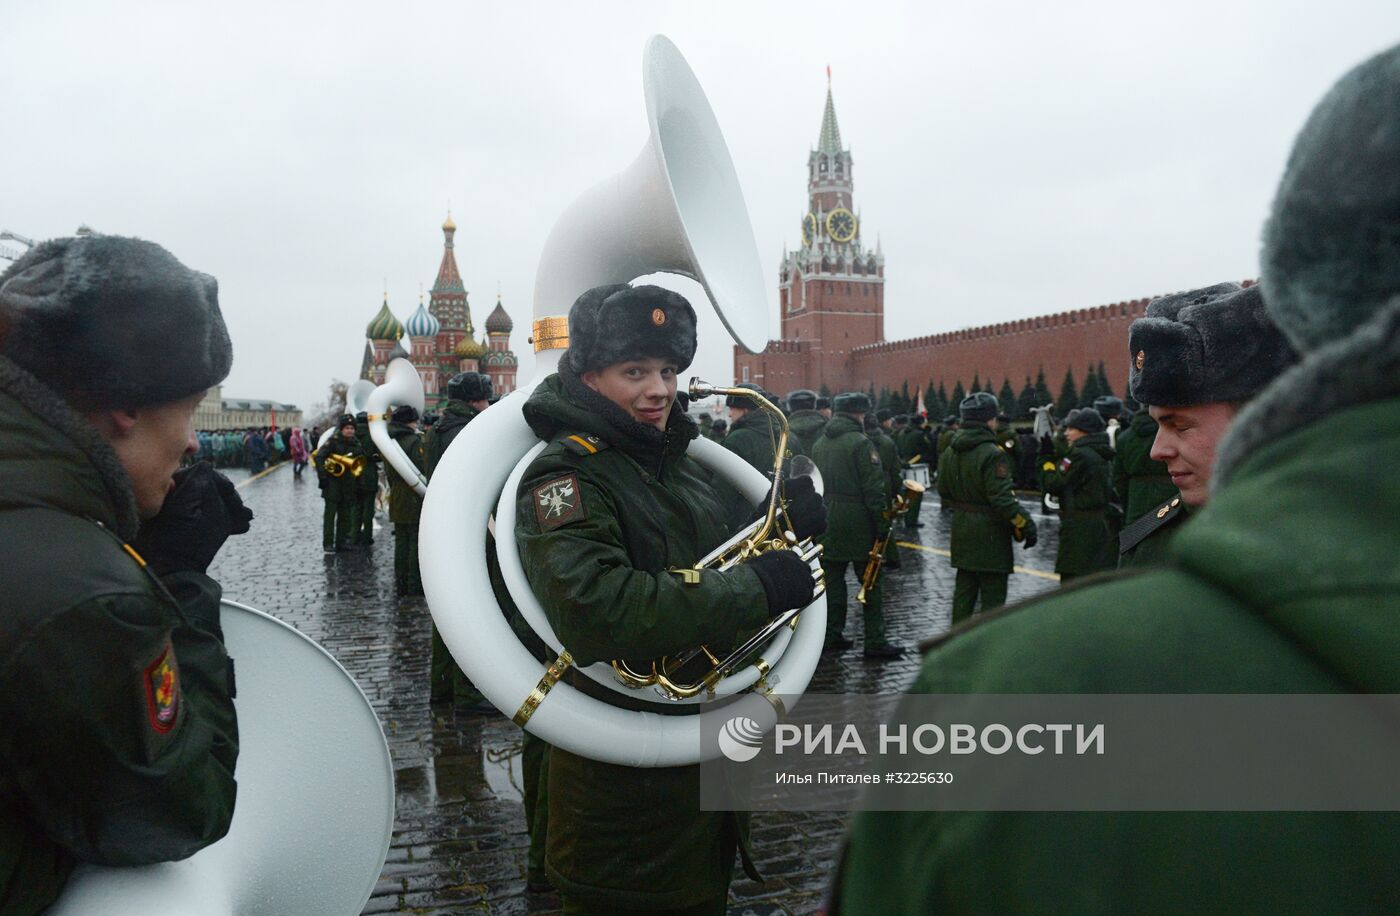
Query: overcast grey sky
{"points": [[1014, 158]]}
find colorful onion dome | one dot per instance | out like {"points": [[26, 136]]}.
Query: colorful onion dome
{"points": [[448, 225], [498, 322], [384, 326], [422, 323], [467, 348]]}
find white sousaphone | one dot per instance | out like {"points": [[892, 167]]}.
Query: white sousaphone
{"points": [[401, 387], [677, 208], [315, 807], [356, 401]]}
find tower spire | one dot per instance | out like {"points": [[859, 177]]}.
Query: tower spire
{"points": [[829, 141]]}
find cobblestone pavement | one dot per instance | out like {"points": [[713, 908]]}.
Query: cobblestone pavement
{"points": [[459, 842]]}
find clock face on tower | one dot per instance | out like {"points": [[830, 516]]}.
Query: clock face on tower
{"points": [[809, 229], [841, 224]]}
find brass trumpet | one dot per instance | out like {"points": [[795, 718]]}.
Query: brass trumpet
{"points": [[693, 671], [876, 561], [337, 465]]}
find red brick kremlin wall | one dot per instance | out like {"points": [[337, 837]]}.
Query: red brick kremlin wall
{"points": [[1013, 349]]}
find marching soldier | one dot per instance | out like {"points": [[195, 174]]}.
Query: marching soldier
{"points": [[1082, 480], [974, 481], [1280, 587], [367, 484], [719, 430], [1140, 482], [803, 419], [915, 446], [119, 736], [707, 422], [1192, 403], [339, 487], [754, 433], [950, 429], [405, 505], [606, 512], [877, 429], [855, 495], [468, 394]]}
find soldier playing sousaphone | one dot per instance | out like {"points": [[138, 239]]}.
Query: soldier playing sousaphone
{"points": [[606, 513]]}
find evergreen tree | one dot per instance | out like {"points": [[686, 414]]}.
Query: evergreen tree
{"points": [[931, 401], [906, 403], [1007, 398], [957, 397], [976, 384], [825, 391], [1069, 396], [1042, 390], [943, 410], [884, 399], [1025, 402], [1091, 389], [1104, 387]]}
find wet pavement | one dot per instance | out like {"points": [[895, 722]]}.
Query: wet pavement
{"points": [[459, 842]]}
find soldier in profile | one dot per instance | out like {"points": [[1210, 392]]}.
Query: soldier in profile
{"points": [[119, 738]]}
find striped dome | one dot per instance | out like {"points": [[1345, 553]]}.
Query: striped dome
{"points": [[422, 323], [384, 326]]}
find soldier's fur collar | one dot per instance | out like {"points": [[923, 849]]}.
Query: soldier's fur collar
{"points": [[1357, 369], [645, 440], [54, 412]]}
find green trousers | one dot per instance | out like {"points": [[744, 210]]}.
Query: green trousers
{"points": [[446, 680], [534, 765], [835, 572], [364, 532], [969, 584], [407, 579], [338, 523]]}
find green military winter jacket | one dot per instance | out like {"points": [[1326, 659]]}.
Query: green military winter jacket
{"points": [[807, 425], [1286, 582], [889, 462], [1139, 482], [405, 505], [605, 512], [1082, 481], [753, 437], [855, 486], [975, 480], [368, 482], [119, 736], [455, 417], [345, 488]]}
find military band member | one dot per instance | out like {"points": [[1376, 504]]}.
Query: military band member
{"points": [[468, 394], [804, 420], [118, 735], [339, 487], [1205, 353], [1284, 584], [1083, 481], [975, 482], [606, 512], [876, 431], [1140, 482], [754, 433], [916, 446], [719, 430], [951, 424], [366, 485], [405, 505], [856, 485]]}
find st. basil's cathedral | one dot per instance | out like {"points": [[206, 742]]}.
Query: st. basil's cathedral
{"points": [[441, 339]]}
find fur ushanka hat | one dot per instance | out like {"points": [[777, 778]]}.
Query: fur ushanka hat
{"points": [[612, 324], [113, 322], [1212, 344], [979, 407]]}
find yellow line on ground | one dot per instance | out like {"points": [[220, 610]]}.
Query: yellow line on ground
{"points": [[943, 553], [260, 474]]}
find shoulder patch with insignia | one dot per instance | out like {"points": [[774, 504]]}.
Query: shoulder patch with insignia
{"points": [[161, 680], [558, 502], [1064, 464], [874, 457], [1150, 522], [580, 444], [1002, 471]]}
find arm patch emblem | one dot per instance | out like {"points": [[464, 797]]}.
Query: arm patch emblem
{"points": [[1002, 471], [558, 502], [1064, 465], [161, 680]]}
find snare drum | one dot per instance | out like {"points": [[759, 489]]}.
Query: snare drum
{"points": [[918, 473]]}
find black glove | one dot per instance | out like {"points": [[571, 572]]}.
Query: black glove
{"points": [[197, 517], [805, 508], [1047, 446], [1031, 537], [787, 580]]}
